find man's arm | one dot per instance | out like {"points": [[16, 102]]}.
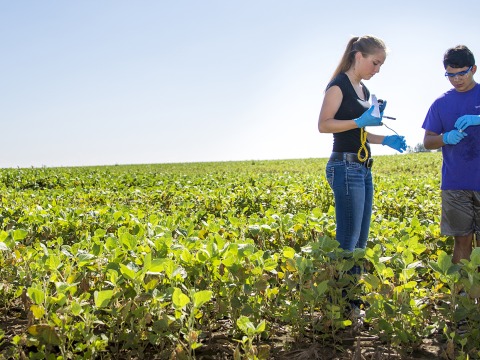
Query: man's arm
{"points": [[432, 140]]}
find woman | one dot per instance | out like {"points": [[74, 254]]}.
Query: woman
{"points": [[345, 112]]}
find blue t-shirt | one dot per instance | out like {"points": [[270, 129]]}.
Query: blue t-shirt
{"points": [[461, 162]]}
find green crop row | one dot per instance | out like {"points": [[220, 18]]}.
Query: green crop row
{"points": [[125, 261]]}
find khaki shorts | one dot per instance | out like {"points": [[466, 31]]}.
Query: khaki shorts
{"points": [[460, 212]]}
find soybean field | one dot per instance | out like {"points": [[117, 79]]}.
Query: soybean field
{"points": [[228, 260]]}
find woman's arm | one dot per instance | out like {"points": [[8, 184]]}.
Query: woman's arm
{"points": [[331, 103], [375, 139]]}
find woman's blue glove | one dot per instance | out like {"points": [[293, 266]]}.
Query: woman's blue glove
{"points": [[396, 142], [367, 119], [467, 120], [453, 137]]}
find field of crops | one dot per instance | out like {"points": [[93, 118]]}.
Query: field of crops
{"points": [[233, 260]]}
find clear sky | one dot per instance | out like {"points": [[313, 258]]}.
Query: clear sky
{"points": [[132, 82]]}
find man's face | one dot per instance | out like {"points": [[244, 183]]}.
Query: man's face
{"points": [[461, 78]]}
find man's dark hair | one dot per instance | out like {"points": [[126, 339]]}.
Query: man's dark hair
{"points": [[458, 57]]}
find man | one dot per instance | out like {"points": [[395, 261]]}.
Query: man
{"points": [[452, 123]]}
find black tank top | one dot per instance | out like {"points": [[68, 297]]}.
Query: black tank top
{"points": [[351, 107]]}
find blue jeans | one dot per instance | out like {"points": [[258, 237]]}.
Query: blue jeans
{"points": [[353, 192]]}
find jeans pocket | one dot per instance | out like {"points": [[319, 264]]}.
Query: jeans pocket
{"points": [[330, 172]]}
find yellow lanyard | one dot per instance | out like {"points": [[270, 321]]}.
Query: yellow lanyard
{"points": [[363, 147]]}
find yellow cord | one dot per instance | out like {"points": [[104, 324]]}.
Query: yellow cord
{"points": [[363, 147]]}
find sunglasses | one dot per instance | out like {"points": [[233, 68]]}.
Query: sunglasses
{"points": [[459, 74]]}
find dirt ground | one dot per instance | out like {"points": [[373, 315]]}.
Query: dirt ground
{"points": [[356, 344]]}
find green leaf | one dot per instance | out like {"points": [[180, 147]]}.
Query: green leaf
{"points": [[321, 288], [37, 311], [202, 256], [288, 252], [129, 240], [102, 298], [411, 285], [186, 256], [385, 325], [158, 266], [99, 233], [387, 273], [19, 234], [475, 257], [435, 267], [444, 262], [389, 310], [76, 308], [37, 295], [179, 299], [270, 264], [372, 280], [111, 243], [328, 244], [45, 333], [85, 259], [260, 327], [245, 325], [127, 272], [418, 248], [147, 262], [201, 297]]}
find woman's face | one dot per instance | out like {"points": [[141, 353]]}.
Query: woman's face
{"points": [[370, 65]]}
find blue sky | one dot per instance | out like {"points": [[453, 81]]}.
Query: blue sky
{"points": [[131, 82]]}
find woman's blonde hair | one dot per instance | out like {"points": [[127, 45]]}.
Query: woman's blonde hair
{"points": [[367, 45]]}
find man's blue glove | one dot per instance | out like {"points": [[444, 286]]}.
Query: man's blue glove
{"points": [[467, 120], [396, 142], [367, 119], [453, 137]]}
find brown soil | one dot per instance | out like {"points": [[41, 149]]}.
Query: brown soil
{"points": [[349, 344]]}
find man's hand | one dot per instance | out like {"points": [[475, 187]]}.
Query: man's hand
{"points": [[467, 120], [453, 137]]}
